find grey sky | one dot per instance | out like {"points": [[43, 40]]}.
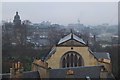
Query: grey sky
{"points": [[89, 13]]}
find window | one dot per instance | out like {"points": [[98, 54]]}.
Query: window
{"points": [[63, 62], [67, 60], [71, 59]]}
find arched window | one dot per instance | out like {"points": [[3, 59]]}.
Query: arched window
{"points": [[71, 59], [63, 62], [79, 62], [67, 60], [75, 60]]}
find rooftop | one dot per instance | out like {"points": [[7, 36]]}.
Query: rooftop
{"points": [[28, 74], [71, 36], [78, 72]]}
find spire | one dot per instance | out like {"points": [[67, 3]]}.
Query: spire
{"points": [[94, 43]]}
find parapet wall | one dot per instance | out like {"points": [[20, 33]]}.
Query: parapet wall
{"points": [[40, 63]]}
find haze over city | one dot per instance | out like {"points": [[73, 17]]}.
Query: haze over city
{"points": [[92, 13], [59, 40]]}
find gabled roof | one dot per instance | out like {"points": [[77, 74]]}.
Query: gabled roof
{"points": [[71, 36]]}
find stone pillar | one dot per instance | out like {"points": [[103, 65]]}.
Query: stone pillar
{"points": [[41, 67]]}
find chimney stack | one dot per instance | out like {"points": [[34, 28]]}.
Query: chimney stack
{"points": [[16, 70]]}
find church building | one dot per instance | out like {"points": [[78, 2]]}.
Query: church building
{"points": [[72, 58]]}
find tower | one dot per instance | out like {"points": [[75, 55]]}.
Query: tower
{"points": [[17, 20], [18, 29]]}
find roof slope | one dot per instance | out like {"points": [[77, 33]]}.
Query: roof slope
{"points": [[31, 74], [71, 36], [103, 55], [78, 72], [28, 74], [53, 50]]}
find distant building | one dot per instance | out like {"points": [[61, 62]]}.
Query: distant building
{"points": [[40, 34], [17, 20], [77, 27], [19, 30], [114, 40]]}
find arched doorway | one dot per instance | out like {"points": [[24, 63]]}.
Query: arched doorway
{"points": [[71, 59]]}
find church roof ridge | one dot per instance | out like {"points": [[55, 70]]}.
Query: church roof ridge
{"points": [[71, 36]]}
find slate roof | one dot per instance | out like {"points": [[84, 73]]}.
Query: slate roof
{"points": [[28, 74], [103, 55], [79, 72], [71, 36], [31, 74]]}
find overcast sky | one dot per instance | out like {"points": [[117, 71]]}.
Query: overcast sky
{"points": [[89, 13]]}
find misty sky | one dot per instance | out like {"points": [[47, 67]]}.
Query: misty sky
{"points": [[89, 13]]}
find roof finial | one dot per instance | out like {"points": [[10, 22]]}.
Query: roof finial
{"points": [[71, 34], [71, 31]]}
